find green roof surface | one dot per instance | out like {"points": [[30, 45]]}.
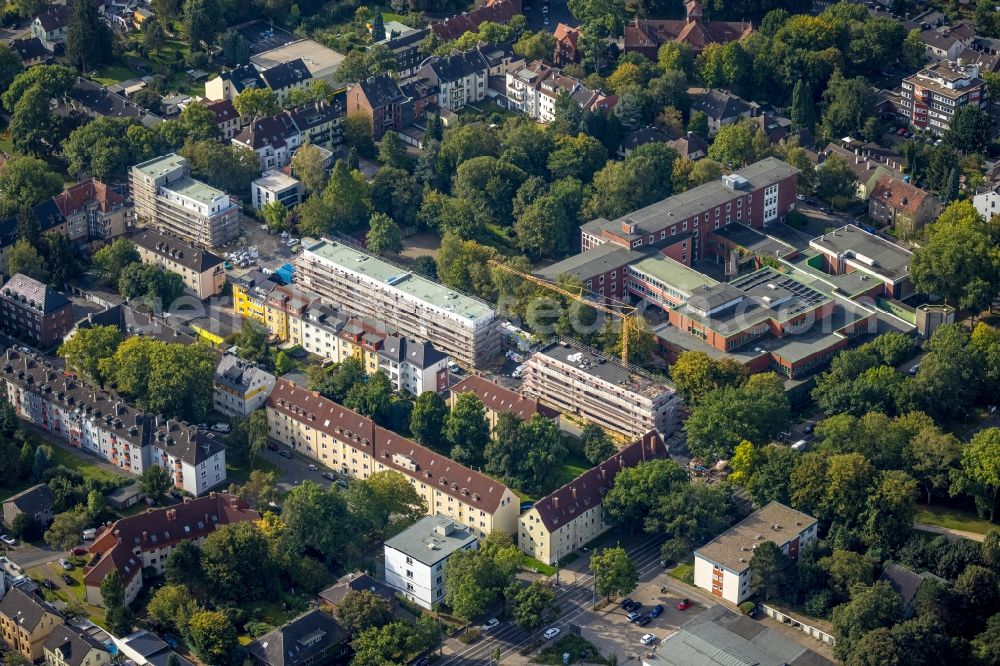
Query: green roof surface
{"points": [[673, 273], [399, 278]]}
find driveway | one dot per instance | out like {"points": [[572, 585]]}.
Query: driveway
{"points": [[558, 13], [293, 471]]}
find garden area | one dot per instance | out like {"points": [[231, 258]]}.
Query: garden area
{"points": [[580, 652], [954, 519]]}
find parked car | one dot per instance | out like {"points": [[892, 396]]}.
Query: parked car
{"points": [[657, 610], [647, 639], [67, 579], [633, 616], [491, 624], [551, 633], [221, 427], [48, 584], [626, 602], [800, 197], [342, 484], [313, 468], [8, 539], [423, 661], [329, 476], [809, 428], [913, 369], [271, 446], [78, 551], [684, 604], [453, 366], [644, 620], [65, 564], [285, 454]]}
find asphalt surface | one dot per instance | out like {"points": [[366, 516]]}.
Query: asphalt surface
{"points": [[293, 471], [574, 600], [558, 13]]}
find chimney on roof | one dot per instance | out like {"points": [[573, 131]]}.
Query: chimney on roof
{"points": [[171, 514], [145, 535], [573, 489], [555, 502]]}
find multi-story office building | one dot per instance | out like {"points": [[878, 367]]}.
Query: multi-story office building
{"points": [[103, 425], [722, 566], [679, 226], [32, 311], [591, 386], [931, 97], [168, 198], [203, 272], [240, 387], [415, 558], [572, 516], [138, 543], [351, 444], [465, 328]]}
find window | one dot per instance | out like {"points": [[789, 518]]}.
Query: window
{"points": [[684, 227], [409, 574], [673, 230], [652, 238]]}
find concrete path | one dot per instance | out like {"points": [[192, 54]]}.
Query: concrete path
{"points": [[947, 531]]}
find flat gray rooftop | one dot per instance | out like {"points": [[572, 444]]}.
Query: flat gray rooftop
{"points": [[432, 539], [868, 252], [605, 368], [754, 241], [587, 264]]}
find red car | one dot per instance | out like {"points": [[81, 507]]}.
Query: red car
{"points": [[79, 550], [684, 604]]}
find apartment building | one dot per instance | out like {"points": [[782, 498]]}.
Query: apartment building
{"points": [[679, 226], [722, 566], [276, 186], [26, 621], [285, 77], [464, 328], [851, 249], [572, 515], [459, 79], [240, 387], [499, 400], [227, 118], [415, 558], [904, 207], [144, 541], [166, 197], [35, 312], [534, 89], [103, 425], [37, 502], [276, 138], [203, 272], [585, 384], [494, 11], [931, 97], [265, 300], [383, 100], [354, 446], [94, 211], [69, 646], [50, 26]]}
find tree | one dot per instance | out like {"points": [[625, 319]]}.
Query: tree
{"points": [[535, 605], [308, 165], [112, 259], [152, 283], [236, 560], [384, 504], [771, 570], [474, 580], [869, 608], [392, 152], [371, 397], [346, 194], [888, 521], [213, 635], [249, 436], [66, 528], [361, 610], [577, 156], [957, 256], [466, 428], [597, 446], [26, 181], [154, 482], [383, 235], [260, 488], [199, 22], [358, 134], [695, 374], [235, 48], [428, 419], [318, 521], [933, 454], [256, 103], [113, 590], [172, 607], [88, 38], [275, 215], [88, 347], [803, 106], [637, 489], [834, 178], [969, 130], [23, 258], [614, 573], [251, 342], [979, 475], [183, 566], [849, 103], [535, 45], [733, 144], [698, 124], [60, 257]]}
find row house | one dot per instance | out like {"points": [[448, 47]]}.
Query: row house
{"points": [[534, 89], [240, 387], [26, 622], [276, 138], [265, 300], [143, 542], [103, 425], [203, 272], [353, 445]]}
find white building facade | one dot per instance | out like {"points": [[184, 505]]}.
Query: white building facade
{"points": [[415, 559]]}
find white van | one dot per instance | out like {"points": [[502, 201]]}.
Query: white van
{"points": [[89, 533], [800, 445]]}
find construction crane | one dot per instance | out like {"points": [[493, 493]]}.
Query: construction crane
{"points": [[629, 314]]}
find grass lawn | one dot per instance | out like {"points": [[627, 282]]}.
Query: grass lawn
{"points": [[943, 516], [531, 564], [574, 466], [113, 74], [683, 572], [71, 594], [239, 471], [79, 463], [574, 645]]}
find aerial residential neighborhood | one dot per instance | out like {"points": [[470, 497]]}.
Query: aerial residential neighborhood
{"points": [[482, 332]]}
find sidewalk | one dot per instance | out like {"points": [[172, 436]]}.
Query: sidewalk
{"points": [[947, 531]]}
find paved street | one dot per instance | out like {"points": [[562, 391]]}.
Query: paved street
{"points": [[575, 596], [293, 471], [558, 13]]}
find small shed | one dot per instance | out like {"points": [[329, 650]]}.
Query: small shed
{"points": [[124, 497]]}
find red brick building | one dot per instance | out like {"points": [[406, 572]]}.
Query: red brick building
{"points": [[646, 36]]}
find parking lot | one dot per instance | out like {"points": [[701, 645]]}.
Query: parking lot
{"points": [[613, 633]]}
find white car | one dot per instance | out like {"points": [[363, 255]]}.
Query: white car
{"points": [[800, 197], [491, 624], [648, 639], [7, 539], [65, 564], [551, 633]]}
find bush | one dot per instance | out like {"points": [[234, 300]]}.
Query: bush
{"points": [[794, 218], [471, 635], [258, 629], [818, 604], [747, 606]]}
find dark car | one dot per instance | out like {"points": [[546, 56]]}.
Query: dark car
{"points": [[657, 610], [809, 428], [329, 476], [625, 603], [67, 579], [644, 620], [423, 661], [271, 446], [48, 584], [285, 454]]}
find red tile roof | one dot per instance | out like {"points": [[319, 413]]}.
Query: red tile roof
{"points": [[73, 199], [157, 528], [499, 399], [565, 33], [894, 193], [224, 110], [587, 490], [393, 451], [495, 11], [645, 35]]}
